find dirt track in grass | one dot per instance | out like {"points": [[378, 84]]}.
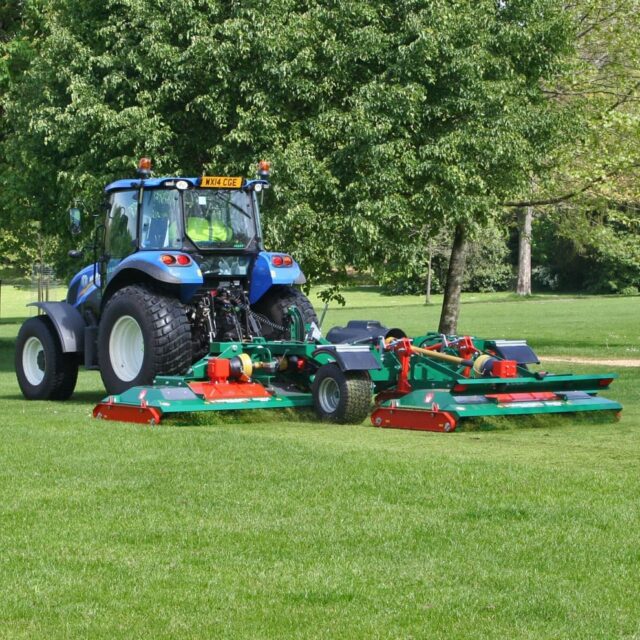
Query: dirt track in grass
{"points": [[615, 362]]}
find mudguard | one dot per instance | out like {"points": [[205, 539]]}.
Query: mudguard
{"points": [[188, 278], [68, 323], [265, 275], [350, 357]]}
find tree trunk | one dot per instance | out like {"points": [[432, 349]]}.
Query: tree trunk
{"points": [[525, 217], [453, 287], [429, 261]]}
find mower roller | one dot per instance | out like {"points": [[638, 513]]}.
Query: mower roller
{"points": [[429, 383]]}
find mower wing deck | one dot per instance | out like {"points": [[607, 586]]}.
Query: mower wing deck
{"points": [[430, 387]]}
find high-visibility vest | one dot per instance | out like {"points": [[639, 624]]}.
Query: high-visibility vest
{"points": [[199, 230]]}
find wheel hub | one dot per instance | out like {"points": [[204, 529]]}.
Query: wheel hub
{"points": [[329, 395], [33, 361], [126, 348]]}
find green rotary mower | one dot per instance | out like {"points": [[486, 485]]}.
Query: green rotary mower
{"points": [[429, 383]]}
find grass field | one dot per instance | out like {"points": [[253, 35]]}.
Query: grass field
{"points": [[277, 526]]}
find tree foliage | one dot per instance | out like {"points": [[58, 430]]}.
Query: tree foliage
{"points": [[588, 192], [380, 117], [387, 123], [599, 252]]}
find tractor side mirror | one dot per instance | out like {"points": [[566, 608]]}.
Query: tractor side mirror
{"points": [[74, 221]]}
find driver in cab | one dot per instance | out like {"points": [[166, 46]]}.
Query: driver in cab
{"points": [[206, 225]]}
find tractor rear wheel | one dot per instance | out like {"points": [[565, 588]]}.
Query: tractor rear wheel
{"points": [[44, 372], [273, 306], [341, 396], [142, 334]]}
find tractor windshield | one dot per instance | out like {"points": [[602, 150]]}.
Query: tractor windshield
{"points": [[213, 219], [219, 218]]}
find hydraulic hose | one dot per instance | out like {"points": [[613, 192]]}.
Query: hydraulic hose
{"points": [[445, 357]]}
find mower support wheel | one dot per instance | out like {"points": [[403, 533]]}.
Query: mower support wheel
{"points": [[44, 372], [341, 396]]}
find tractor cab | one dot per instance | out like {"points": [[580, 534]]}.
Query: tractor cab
{"points": [[215, 220]]}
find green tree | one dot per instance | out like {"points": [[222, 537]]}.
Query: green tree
{"points": [[381, 118], [597, 169]]}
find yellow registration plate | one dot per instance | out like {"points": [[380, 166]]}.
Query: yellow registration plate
{"points": [[220, 182]]}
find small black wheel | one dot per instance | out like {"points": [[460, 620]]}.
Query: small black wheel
{"points": [[44, 372], [142, 334], [341, 396], [274, 306]]}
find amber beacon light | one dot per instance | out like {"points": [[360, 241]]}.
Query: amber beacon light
{"points": [[144, 167], [264, 168]]}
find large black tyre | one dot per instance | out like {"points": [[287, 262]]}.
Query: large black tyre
{"points": [[341, 396], [44, 372], [142, 334], [274, 306]]}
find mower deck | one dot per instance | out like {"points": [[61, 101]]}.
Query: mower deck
{"points": [[440, 410], [148, 405], [430, 383]]}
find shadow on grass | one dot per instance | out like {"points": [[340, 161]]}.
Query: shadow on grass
{"points": [[351, 306], [87, 396], [254, 416], [78, 397], [540, 421], [7, 354], [364, 288], [12, 396], [308, 416]]}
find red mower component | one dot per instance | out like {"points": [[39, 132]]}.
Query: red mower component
{"points": [[505, 369], [229, 379], [537, 396], [142, 414], [486, 365], [125, 413], [229, 390], [466, 348], [403, 349], [413, 419]]}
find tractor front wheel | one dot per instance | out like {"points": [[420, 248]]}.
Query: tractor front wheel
{"points": [[142, 334], [273, 307], [44, 372], [341, 396]]}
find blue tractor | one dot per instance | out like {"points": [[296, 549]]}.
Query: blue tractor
{"points": [[178, 263]]}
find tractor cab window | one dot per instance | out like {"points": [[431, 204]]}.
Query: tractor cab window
{"points": [[227, 265], [219, 218], [122, 225], [161, 228]]}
